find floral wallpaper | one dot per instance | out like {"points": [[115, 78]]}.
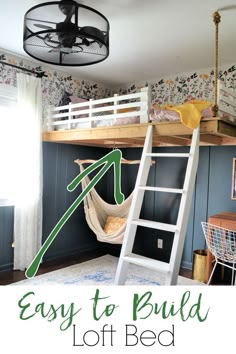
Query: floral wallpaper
{"points": [[54, 85], [176, 90], [171, 90]]}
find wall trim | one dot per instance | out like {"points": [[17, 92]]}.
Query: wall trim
{"points": [[70, 252], [6, 267], [186, 265]]}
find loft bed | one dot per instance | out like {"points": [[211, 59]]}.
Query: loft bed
{"points": [[122, 121]]}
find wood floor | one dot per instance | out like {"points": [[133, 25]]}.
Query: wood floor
{"points": [[9, 277]]}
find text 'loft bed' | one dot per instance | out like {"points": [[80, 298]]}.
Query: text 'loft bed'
{"points": [[122, 121]]}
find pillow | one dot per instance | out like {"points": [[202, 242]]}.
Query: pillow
{"points": [[127, 120], [161, 115], [113, 224], [205, 107], [103, 122], [75, 99], [207, 112]]}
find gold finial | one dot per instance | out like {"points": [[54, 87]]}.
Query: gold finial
{"points": [[216, 17]]}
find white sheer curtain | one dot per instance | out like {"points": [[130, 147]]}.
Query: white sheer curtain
{"points": [[8, 95], [28, 171]]}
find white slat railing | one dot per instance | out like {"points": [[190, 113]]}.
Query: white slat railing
{"points": [[99, 112]]}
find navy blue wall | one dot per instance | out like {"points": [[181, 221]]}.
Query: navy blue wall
{"points": [[211, 195], [59, 170], [6, 237]]}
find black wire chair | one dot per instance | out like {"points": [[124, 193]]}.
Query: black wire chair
{"points": [[221, 243]]}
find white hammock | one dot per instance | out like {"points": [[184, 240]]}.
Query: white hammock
{"points": [[97, 211]]}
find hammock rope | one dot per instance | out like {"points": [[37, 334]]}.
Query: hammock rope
{"points": [[216, 19], [97, 210]]}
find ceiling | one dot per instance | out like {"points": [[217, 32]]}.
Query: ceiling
{"points": [[148, 39]]}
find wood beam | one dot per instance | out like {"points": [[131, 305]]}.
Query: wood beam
{"points": [[213, 132], [172, 141], [227, 129], [210, 139]]}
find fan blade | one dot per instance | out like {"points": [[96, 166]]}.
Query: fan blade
{"points": [[43, 26], [64, 50], [91, 35], [52, 41], [77, 51], [37, 20], [56, 50], [99, 43], [86, 42]]}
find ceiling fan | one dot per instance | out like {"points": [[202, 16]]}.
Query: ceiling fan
{"points": [[66, 37]]}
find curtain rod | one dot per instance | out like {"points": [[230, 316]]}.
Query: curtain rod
{"points": [[38, 74]]}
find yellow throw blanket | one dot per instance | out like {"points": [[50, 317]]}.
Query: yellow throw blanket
{"points": [[191, 112]]}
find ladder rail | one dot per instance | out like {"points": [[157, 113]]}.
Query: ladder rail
{"points": [[142, 174], [184, 209], [135, 208], [179, 230]]}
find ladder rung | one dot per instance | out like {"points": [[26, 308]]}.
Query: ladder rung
{"points": [[168, 154], [154, 225], [147, 262], [161, 189]]}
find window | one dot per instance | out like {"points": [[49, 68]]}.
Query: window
{"points": [[7, 147]]}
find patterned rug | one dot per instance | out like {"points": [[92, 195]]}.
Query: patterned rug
{"points": [[101, 271]]}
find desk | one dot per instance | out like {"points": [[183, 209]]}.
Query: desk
{"points": [[226, 220]]}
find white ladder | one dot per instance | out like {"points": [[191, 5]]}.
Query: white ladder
{"points": [[170, 269]]}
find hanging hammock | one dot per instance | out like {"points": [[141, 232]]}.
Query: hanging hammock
{"points": [[100, 214]]}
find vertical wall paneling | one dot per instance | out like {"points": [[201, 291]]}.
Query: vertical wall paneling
{"points": [[188, 244], [194, 237], [211, 195], [201, 201], [6, 237], [220, 180], [145, 235], [49, 186], [170, 172], [59, 170]]}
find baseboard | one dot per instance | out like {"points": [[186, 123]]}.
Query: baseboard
{"points": [[186, 265], [113, 251], [71, 252], [6, 267]]}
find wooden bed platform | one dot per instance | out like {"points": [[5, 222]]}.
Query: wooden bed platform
{"points": [[213, 131]]}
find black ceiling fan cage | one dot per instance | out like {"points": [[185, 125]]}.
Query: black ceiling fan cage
{"points": [[66, 33]]}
